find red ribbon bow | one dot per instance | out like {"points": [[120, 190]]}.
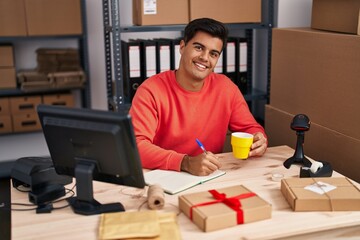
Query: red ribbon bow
{"points": [[232, 202]]}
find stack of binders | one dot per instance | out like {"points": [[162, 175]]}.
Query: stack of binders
{"points": [[143, 58]]}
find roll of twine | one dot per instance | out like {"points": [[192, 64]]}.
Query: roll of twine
{"points": [[156, 197]]}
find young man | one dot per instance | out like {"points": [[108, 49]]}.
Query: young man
{"points": [[174, 108]]}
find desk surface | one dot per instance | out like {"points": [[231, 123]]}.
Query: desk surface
{"points": [[253, 173]]}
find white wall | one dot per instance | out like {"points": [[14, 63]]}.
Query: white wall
{"points": [[293, 13]]}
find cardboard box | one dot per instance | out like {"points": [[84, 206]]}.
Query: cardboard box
{"points": [[64, 99], [4, 106], [218, 215], [160, 12], [320, 143], [6, 56], [7, 78], [227, 11], [334, 15], [71, 79], [317, 73], [56, 17], [12, 18], [24, 104], [26, 122], [5, 124], [321, 194]]}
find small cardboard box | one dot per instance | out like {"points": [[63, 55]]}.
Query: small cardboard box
{"points": [[71, 79], [5, 124], [335, 15], [7, 78], [6, 56], [26, 122], [64, 99], [321, 194], [4, 106], [227, 11], [56, 17], [12, 18], [160, 12], [212, 212], [25, 104]]}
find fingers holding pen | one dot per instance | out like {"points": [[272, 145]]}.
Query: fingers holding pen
{"points": [[212, 161], [201, 165]]}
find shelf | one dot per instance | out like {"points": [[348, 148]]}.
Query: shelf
{"points": [[19, 92], [34, 38], [259, 69], [78, 40], [231, 26]]}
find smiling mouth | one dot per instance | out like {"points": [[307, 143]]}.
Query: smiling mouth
{"points": [[201, 66]]}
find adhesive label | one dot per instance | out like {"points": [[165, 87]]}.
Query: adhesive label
{"points": [[320, 187], [150, 7]]}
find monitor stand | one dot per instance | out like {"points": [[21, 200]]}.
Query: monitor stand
{"points": [[84, 203]]}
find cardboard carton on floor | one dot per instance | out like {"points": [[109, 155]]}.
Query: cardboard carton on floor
{"points": [[321, 194], [221, 208]]}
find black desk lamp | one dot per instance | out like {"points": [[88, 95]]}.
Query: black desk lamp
{"points": [[300, 124]]}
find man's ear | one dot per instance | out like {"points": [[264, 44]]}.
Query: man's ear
{"points": [[182, 46]]}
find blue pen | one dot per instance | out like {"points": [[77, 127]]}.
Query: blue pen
{"points": [[201, 145]]}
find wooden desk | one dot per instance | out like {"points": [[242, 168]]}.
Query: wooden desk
{"points": [[253, 173]]}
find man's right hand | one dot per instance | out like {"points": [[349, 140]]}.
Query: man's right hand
{"points": [[200, 165]]}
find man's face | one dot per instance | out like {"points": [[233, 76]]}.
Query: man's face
{"points": [[199, 56]]}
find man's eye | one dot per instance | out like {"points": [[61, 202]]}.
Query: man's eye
{"points": [[215, 55], [198, 47]]}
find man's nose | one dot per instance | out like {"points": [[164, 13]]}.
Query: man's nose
{"points": [[204, 55]]}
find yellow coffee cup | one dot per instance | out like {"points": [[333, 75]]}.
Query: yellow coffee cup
{"points": [[241, 143]]}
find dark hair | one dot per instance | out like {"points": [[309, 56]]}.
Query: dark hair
{"points": [[208, 25]]}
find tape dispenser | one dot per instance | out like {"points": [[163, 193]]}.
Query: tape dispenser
{"points": [[317, 169]]}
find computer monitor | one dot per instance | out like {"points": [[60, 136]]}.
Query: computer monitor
{"points": [[92, 145]]}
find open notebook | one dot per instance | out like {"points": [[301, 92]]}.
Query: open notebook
{"points": [[174, 182]]}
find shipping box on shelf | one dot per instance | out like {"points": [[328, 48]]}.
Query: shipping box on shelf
{"points": [[12, 18], [58, 60], [30, 80], [26, 122], [7, 78], [24, 104], [63, 99], [61, 17], [335, 15], [320, 143], [5, 124], [160, 12], [67, 79], [6, 56], [222, 208], [321, 194], [228, 11], [317, 73], [4, 106]]}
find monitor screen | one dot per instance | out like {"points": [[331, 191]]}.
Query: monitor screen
{"points": [[92, 145]]}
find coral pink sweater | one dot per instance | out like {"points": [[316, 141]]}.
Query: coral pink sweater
{"points": [[167, 119]]}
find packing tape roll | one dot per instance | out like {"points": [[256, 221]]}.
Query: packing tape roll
{"points": [[156, 197], [315, 166]]}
